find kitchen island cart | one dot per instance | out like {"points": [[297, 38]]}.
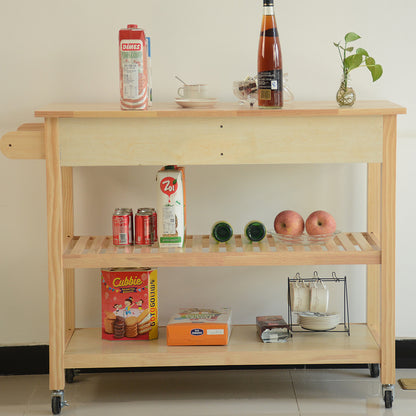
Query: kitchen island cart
{"points": [[311, 132]]}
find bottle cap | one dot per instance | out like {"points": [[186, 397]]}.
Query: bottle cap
{"points": [[131, 26], [268, 2]]}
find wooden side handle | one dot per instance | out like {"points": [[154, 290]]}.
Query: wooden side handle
{"points": [[26, 143]]}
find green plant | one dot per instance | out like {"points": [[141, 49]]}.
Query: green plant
{"points": [[360, 58]]}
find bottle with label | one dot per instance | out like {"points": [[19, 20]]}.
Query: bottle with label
{"points": [[269, 61], [255, 231], [222, 231]]}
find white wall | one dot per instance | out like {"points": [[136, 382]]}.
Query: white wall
{"points": [[66, 51]]}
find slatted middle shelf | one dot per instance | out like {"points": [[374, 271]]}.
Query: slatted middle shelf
{"points": [[202, 250]]}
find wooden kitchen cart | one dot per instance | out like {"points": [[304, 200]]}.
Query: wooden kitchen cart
{"points": [[316, 132]]}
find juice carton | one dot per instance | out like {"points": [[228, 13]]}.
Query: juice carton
{"points": [[129, 303], [171, 206]]}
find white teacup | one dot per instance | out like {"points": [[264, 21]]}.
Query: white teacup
{"points": [[319, 298], [299, 297], [193, 92]]}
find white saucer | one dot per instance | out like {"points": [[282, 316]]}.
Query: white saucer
{"points": [[196, 103]]}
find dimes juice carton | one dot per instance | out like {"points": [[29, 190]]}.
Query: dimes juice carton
{"points": [[129, 303], [171, 206], [199, 326]]}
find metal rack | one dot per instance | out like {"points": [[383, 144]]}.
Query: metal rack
{"points": [[317, 279]]}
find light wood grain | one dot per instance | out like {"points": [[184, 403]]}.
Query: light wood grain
{"points": [[55, 265], [99, 252], [24, 144], [388, 244], [374, 226], [68, 232], [218, 141], [87, 349], [163, 110]]}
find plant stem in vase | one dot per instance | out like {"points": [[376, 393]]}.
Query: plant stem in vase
{"points": [[350, 60], [345, 94]]}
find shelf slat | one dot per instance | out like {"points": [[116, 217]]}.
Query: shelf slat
{"points": [[87, 350], [200, 250]]}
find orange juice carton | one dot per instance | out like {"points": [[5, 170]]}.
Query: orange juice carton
{"points": [[129, 303], [199, 326], [171, 206]]}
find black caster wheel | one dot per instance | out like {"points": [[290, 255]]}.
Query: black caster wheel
{"points": [[69, 375], [374, 370], [56, 405], [58, 402], [388, 399]]}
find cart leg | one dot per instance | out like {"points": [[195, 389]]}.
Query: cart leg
{"points": [[55, 263], [373, 270], [374, 370], [388, 232], [388, 395], [70, 374], [57, 401]]}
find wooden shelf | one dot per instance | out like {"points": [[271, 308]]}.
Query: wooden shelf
{"points": [[87, 350], [234, 109], [201, 250]]}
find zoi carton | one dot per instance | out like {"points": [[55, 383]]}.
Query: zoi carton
{"points": [[171, 206]]}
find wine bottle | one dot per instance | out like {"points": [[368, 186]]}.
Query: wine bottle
{"points": [[255, 231], [222, 231], [269, 61]]}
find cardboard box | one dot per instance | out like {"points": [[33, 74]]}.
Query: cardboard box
{"points": [[272, 328], [199, 326], [129, 303]]}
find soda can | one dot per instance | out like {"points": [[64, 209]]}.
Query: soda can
{"points": [[154, 229], [134, 94], [154, 223], [123, 227], [143, 227]]}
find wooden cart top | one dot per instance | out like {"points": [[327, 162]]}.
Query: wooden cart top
{"points": [[312, 108]]}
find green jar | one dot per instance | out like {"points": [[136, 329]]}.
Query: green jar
{"points": [[255, 231], [222, 231]]}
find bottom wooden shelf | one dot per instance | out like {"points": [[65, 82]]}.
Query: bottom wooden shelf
{"points": [[87, 350]]}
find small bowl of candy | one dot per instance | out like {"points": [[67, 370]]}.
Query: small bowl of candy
{"points": [[246, 90]]}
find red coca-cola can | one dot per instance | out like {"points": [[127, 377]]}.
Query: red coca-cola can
{"points": [[123, 226], [143, 227], [154, 223], [154, 229]]}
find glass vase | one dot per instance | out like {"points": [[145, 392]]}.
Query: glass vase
{"points": [[345, 94]]}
